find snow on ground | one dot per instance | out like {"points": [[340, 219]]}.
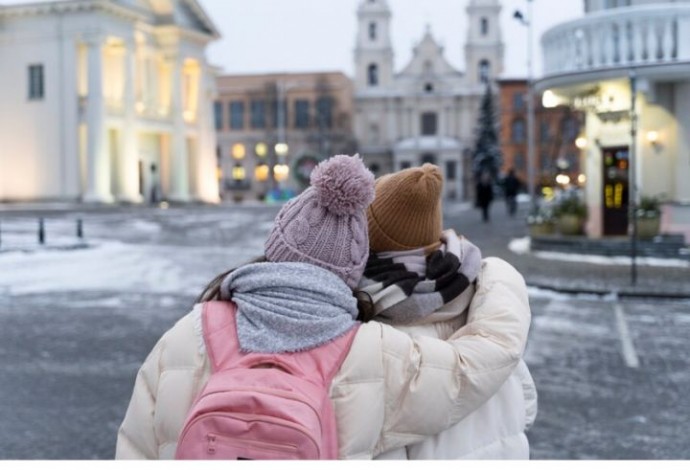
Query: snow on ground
{"points": [[521, 246], [129, 255]]}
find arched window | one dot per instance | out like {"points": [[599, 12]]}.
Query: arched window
{"points": [[373, 75], [484, 70], [518, 131], [484, 26], [372, 31]]}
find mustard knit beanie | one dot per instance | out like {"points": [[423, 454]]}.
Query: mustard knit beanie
{"points": [[406, 212]]}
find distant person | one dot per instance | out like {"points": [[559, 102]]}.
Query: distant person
{"points": [[423, 280], [485, 194], [511, 186], [154, 184]]}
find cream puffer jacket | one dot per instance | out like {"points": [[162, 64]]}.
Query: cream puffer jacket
{"points": [[496, 430], [391, 391]]}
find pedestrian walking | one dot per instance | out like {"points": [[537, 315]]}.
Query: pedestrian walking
{"points": [[485, 194], [423, 280], [511, 186], [391, 390]]}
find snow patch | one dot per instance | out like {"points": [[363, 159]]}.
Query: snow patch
{"points": [[611, 260], [520, 246]]}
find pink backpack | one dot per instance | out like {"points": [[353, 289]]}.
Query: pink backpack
{"points": [[262, 406]]}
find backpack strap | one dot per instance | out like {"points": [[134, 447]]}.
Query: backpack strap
{"points": [[319, 364], [220, 334]]}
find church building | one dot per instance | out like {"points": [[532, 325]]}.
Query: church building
{"points": [[426, 112]]}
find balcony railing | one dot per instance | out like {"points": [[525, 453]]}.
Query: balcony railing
{"points": [[621, 37]]}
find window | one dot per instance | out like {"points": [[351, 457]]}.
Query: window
{"points": [[36, 89], [372, 31], [544, 131], [324, 112], [404, 165], [429, 87], [484, 70], [374, 135], [218, 114], [237, 114], [429, 158], [428, 123], [518, 131], [518, 101], [451, 170], [373, 75], [258, 114], [569, 127], [484, 26], [519, 161], [545, 162], [302, 114]]}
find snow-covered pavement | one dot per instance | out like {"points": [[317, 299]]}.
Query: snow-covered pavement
{"points": [[75, 326]]}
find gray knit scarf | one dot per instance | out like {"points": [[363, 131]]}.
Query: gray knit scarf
{"points": [[288, 307], [407, 286]]}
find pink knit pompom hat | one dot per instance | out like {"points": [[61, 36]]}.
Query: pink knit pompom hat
{"points": [[326, 225]]}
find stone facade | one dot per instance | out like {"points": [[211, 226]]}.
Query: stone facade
{"points": [[555, 134], [106, 101], [427, 112], [314, 120]]}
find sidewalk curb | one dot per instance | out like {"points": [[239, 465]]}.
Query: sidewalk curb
{"points": [[621, 294]]}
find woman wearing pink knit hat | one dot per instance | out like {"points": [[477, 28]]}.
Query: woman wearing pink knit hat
{"points": [[424, 280], [388, 389]]}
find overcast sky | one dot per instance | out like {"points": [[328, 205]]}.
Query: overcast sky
{"points": [[315, 35]]}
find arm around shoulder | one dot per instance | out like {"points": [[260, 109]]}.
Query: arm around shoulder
{"points": [[432, 384]]}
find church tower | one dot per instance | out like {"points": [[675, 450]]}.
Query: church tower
{"points": [[484, 47], [373, 51]]}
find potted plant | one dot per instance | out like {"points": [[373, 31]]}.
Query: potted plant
{"points": [[541, 222], [648, 217], [571, 214]]}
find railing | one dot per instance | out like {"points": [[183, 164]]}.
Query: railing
{"points": [[621, 37], [29, 233]]}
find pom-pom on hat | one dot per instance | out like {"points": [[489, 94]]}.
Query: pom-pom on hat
{"points": [[326, 225], [407, 212]]}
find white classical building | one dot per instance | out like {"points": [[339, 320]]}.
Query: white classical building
{"points": [[105, 101], [427, 112], [588, 64]]}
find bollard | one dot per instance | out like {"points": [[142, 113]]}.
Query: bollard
{"points": [[80, 230], [41, 231]]}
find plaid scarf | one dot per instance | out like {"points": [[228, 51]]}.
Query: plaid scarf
{"points": [[407, 286]]}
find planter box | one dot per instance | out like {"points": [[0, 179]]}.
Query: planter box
{"points": [[536, 230], [648, 227], [570, 224]]}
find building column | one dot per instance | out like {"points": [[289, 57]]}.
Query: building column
{"points": [[207, 184], [179, 171], [98, 167], [129, 162]]}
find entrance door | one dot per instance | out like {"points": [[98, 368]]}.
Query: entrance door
{"points": [[616, 166]]}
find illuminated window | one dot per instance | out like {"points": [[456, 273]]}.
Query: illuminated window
{"points": [[238, 173], [261, 149], [238, 151], [261, 172]]}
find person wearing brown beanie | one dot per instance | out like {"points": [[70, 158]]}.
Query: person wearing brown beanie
{"points": [[422, 280]]}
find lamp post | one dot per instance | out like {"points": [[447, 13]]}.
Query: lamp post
{"points": [[530, 103], [632, 191]]}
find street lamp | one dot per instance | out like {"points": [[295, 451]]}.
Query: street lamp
{"points": [[530, 102]]}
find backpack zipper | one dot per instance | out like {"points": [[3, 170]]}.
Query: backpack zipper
{"points": [[212, 438]]}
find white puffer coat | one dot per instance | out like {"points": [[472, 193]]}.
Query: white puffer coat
{"points": [[391, 391], [496, 430]]}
